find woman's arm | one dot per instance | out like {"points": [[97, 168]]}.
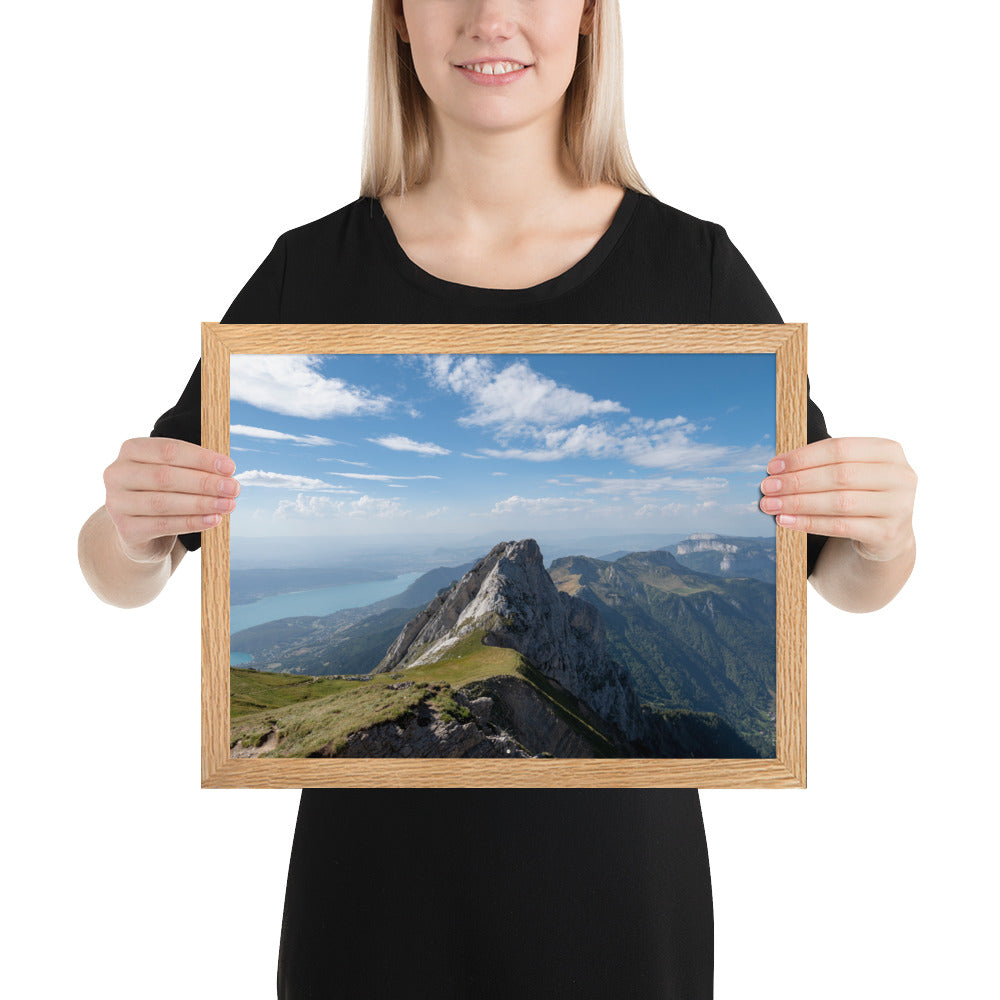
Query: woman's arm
{"points": [[859, 492], [157, 488], [852, 582], [115, 576]]}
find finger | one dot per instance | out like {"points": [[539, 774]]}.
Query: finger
{"points": [[862, 529], [841, 503], [851, 476], [150, 478], [138, 531], [833, 451], [159, 504], [174, 452]]}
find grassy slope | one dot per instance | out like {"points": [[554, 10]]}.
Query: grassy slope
{"points": [[310, 713]]}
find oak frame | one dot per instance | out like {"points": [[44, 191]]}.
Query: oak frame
{"points": [[786, 770]]}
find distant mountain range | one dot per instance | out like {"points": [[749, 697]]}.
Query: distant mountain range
{"points": [[637, 656], [728, 555]]}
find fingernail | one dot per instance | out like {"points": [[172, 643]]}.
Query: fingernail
{"points": [[786, 519], [770, 504], [225, 466], [225, 504], [229, 487], [771, 485], [775, 466], [211, 520]]}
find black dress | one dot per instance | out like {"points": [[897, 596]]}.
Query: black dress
{"points": [[498, 893]]}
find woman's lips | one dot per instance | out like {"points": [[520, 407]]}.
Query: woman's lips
{"points": [[497, 80]]}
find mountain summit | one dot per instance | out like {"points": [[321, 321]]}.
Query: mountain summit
{"points": [[510, 597]]}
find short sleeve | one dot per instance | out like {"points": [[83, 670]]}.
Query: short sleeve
{"points": [[258, 302], [739, 297], [260, 299]]}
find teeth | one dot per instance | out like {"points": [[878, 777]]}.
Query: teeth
{"points": [[495, 69]]}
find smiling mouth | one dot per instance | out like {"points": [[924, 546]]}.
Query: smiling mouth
{"points": [[493, 68]]}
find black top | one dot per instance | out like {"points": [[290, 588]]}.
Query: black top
{"points": [[486, 893]]}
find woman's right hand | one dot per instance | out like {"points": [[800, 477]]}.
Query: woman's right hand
{"points": [[158, 488]]}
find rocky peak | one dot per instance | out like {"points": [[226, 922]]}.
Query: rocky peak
{"points": [[510, 596]]}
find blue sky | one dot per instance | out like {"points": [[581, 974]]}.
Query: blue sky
{"points": [[504, 445]]}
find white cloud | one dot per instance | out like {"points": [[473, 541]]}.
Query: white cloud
{"points": [[534, 419], [661, 510], [279, 480], [592, 440], [541, 505], [307, 507], [515, 397], [264, 432], [657, 444], [376, 507], [669, 444], [377, 477], [648, 424], [291, 384], [258, 477], [674, 450], [399, 443], [673, 509], [642, 488]]}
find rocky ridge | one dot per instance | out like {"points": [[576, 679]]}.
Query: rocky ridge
{"points": [[510, 596]]}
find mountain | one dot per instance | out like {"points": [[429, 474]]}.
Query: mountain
{"points": [[691, 640], [509, 601], [500, 663], [727, 555], [510, 597]]}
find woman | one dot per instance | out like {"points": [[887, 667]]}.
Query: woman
{"points": [[498, 188]]}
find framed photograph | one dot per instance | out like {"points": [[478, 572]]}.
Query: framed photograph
{"points": [[473, 555]]}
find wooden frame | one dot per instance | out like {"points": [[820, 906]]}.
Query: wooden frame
{"points": [[788, 769]]}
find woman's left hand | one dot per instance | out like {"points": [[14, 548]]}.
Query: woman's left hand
{"points": [[856, 488]]}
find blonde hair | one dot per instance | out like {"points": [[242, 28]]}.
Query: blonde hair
{"points": [[397, 141]]}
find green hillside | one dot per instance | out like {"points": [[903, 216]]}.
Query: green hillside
{"points": [[692, 641], [314, 714]]}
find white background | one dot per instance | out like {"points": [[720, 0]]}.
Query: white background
{"points": [[154, 154]]}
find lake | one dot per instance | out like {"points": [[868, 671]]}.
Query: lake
{"points": [[322, 601]]}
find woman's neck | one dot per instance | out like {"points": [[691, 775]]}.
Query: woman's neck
{"points": [[497, 182]]}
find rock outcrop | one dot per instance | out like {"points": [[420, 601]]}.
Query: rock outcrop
{"points": [[510, 597], [728, 556], [506, 717]]}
